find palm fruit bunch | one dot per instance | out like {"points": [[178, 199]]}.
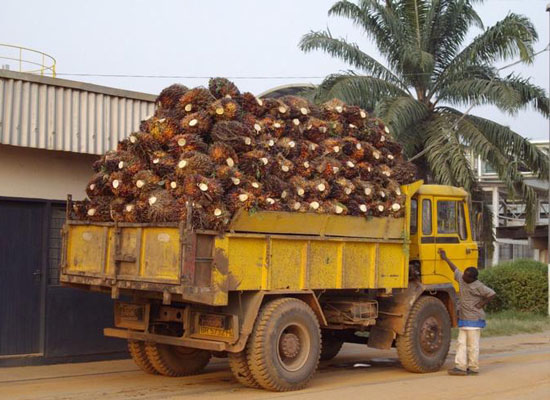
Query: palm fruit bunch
{"points": [[208, 152]]}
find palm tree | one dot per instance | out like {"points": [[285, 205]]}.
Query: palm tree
{"points": [[428, 72]]}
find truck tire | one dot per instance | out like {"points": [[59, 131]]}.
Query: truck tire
{"points": [[285, 345], [136, 349], [331, 345], [425, 344], [171, 360], [239, 367]]}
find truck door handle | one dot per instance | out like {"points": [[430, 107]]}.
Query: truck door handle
{"points": [[468, 250]]}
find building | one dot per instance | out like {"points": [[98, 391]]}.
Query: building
{"points": [[51, 131]]}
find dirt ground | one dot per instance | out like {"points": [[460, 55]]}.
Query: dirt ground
{"points": [[515, 367]]}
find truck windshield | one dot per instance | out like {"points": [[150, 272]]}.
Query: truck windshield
{"points": [[414, 216]]}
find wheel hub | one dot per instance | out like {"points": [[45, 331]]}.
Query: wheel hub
{"points": [[431, 336], [290, 345]]}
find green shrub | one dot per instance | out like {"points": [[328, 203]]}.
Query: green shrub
{"points": [[520, 285]]}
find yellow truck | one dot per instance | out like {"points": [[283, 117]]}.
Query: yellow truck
{"points": [[278, 291]]}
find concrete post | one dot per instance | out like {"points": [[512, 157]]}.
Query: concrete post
{"points": [[496, 252]]}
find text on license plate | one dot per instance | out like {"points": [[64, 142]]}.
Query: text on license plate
{"points": [[206, 330]]}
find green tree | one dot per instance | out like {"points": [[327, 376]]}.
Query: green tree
{"points": [[427, 73]]}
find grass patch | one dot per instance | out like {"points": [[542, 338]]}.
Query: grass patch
{"points": [[506, 323]]}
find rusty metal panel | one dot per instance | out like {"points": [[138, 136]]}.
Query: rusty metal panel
{"points": [[57, 114], [86, 249], [160, 254]]}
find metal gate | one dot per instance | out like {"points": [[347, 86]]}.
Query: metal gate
{"points": [[21, 269]]}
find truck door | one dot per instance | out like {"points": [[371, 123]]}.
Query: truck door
{"points": [[453, 235], [426, 248]]}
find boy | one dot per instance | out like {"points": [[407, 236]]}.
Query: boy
{"points": [[473, 296]]}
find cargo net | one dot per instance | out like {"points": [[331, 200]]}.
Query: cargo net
{"points": [[211, 152]]}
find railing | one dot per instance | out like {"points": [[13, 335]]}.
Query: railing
{"points": [[28, 60]]}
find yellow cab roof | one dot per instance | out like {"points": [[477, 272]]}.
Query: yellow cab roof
{"points": [[442, 190]]}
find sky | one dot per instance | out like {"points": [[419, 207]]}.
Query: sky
{"points": [[198, 39]]}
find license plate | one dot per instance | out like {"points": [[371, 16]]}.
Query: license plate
{"points": [[130, 316], [209, 331]]}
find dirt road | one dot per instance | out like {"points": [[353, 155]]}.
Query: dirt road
{"points": [[516, 367]]}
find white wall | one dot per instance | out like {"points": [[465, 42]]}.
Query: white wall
{"points": [[43, 174]]}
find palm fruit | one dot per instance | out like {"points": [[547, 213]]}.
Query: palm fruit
{"points": [[224, 109], [131, 212], [141, 144], [316, 130], [319, 188], [355, 116], [383, 172], [394, 148], [253, 124], [162, 129], [335, 207], [99, 209], [335, 128], [366, 170], [184, 143], [252, 185], [273, 126], [379, 209], [223, 154], [169, 97], [255, 163], [276, 187], [145, 181], [161, 206], [297, 205], [239, 199], [215, 216], [195, 100], [228, 177], [317, 206], [404, 173], [120, 185], [382, 194], [333, 110], [397, 206], [372, 154], [174, 184], [328, 167], [107, 163], [287, 146], [283, 167], [270, 203], [342, 189], [116, 208], [387, 157], [193, 162], [162, 163], [277, 108], [394, 187], [309, 150], [130, 165], [295, 128], [299, 186], [365, 189], [303, 167], [79, 209], [223, 87], [198, 123], [98, 185], [202, 189], [332, 147], [353, 148], [299, 107], [251, 104], [267, 143], [234, 134], [358, 205]]}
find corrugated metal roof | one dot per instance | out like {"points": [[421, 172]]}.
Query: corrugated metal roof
{"points": [[58, 114]]}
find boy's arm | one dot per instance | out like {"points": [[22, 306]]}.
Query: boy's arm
{"points": [[446, 259], [488, 294]]}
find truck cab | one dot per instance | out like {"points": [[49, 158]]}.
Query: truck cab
{"points": [[440, 219]]}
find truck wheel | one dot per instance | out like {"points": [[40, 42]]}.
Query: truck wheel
{"points": [[285, 345], [425, 344], [136, 349], [239, 367], [331, 345], [176, 360]]}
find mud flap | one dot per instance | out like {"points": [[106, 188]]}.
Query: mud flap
{"points": [[381, 338]]}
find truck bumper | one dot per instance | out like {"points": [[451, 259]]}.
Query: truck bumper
{"points": [[171, 340]]}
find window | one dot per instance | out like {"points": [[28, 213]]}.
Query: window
{"points": [[57, 219], [426, 217], [446, 216], [414, 217], [462, 232]]}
